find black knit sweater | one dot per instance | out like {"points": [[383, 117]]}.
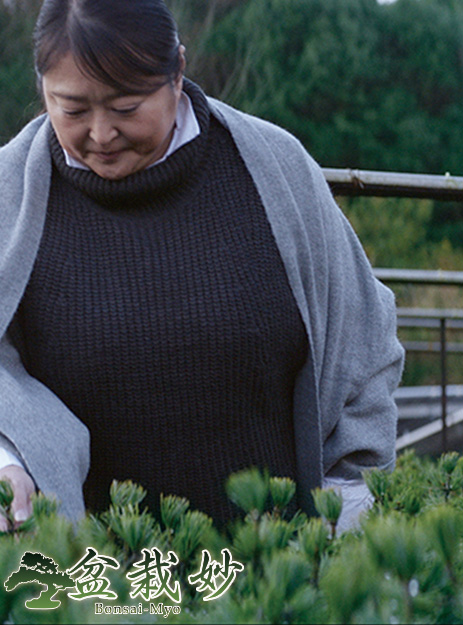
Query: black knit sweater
{"points": [[159, 311]]}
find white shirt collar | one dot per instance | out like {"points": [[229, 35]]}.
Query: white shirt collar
{"points": [[186, 129]]}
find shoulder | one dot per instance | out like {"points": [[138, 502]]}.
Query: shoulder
{"points": [[277, 158], [25, 172], [263, 144], [25, 164], [17, 149], [274, 136]]}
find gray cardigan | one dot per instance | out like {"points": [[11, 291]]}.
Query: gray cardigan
{"points": [[344, 414]]}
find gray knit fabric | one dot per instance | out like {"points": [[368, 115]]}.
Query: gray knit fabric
{"points": [[356, 360]]}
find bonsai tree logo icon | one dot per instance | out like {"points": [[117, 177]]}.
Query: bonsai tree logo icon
{"points": [[35, 567]]}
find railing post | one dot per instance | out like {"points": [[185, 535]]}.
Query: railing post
{"points": [[443, 360]]}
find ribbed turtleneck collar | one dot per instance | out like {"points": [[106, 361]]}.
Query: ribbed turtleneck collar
{"points": [[179, 170]]}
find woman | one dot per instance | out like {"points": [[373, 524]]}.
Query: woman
{"points": [[178, 286]]}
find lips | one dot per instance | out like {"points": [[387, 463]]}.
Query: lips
{"points": [[108, 156]]}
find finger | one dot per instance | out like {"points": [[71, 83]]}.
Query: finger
{"points": [[21, 506], [22, 514], [23, 488]]}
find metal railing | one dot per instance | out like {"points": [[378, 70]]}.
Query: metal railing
{"points": [[441, 318], [391, 184], [430, 318]]}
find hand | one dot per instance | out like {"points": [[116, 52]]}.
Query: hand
{"points": [[23, 488]]}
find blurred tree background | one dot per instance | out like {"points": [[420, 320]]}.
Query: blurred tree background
{"points": [[361, 84], [18, 100]]}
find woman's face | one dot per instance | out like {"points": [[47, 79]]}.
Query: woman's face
{"points": [[113, 133]]}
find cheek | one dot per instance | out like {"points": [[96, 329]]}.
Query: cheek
{"points": [[152, 130], [147, 138], [70, 138]]}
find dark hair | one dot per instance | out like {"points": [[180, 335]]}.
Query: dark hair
{"points": [[122, 43]]}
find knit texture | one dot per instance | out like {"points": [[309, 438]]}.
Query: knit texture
{"points": [[159, 311]]}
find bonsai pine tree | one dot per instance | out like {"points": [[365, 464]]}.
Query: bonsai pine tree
{"points": [[35, 567]]}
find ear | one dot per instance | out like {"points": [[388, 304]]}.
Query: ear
{"points": [[181, 53], [179, 79]]}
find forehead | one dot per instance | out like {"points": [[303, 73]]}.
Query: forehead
{"points": [[67, 81]]}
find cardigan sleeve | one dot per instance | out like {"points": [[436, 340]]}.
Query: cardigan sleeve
{"points": [[8, 454], [52, 443], [361, 359], [351, 319]]}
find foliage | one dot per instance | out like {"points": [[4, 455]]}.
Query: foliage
{"points": [[396, 233], [361, 84], [18, 101], [405, 563]]}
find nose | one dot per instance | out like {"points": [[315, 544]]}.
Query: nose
{"points": [[102, 131]]}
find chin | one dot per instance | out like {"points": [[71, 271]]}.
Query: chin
{"points": [[112, 170], [110, 174]]}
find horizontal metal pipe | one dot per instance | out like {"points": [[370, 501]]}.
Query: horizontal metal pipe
{"points": [[420, 276], [430, 313], [429, 324], [392, 184], [431, 347]]}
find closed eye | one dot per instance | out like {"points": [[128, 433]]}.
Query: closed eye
{"points": [[74, 113], [126, 111]]}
